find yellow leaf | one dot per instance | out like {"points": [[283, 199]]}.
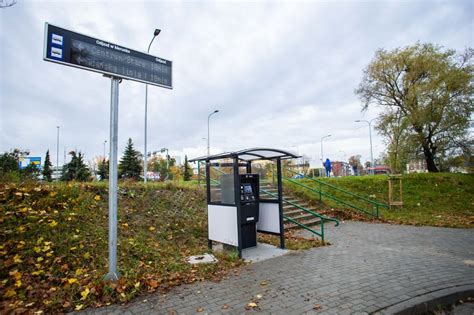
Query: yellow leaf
{"points": [[46, 248], [49, 254], [37, 249], [48, 243], [85, 293], [10, 293], [17, 259], [73, 248], [125, 224], [97, 197], [72, 280], [79, 307], [259, 296], [53, 223], [53, 193], [151, 228], [252, 304], [21, 228], [137, 285], [78, 271], [123, 295], [37, 273], [39, 259], [18, 283], [21, 244], [87, 255], [39, 240]]}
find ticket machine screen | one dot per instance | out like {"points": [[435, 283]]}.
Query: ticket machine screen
{"points": [[247, 189]]}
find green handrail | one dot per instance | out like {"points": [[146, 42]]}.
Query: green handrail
{"points": [[321, 217], [333, 198], [302, 208], [381, 204]]}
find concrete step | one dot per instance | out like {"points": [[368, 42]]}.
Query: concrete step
{"points": [[309, 223]]}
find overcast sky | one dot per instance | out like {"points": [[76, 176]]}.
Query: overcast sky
{"points": [[281, 74]]}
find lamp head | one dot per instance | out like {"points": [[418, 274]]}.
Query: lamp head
{"points": [[357, 120], [216, 111], [157, 31]]}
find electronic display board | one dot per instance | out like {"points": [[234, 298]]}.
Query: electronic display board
{"points": [[81, 51]]}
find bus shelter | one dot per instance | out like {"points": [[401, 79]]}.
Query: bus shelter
{"points": [[241, 200]]}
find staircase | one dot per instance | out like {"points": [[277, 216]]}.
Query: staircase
{"points": [[292, 208]]}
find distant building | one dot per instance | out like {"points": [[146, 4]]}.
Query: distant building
{"points": [[417, 166], [341, 168]]}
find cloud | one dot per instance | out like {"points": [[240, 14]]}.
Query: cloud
{"points": [[282, 74]]}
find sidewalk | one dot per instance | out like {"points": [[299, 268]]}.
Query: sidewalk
{"points": [[368, 268]]}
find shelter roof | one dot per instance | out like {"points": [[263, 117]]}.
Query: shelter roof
{"points": [[253, 154]]}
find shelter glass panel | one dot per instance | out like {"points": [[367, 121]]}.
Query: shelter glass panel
{"points": [[222, 183]]}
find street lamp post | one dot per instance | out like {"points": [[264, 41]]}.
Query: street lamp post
{"points": [[322, 154], [167, 161], [208, 133], [369, 122], [157, 31], [105, 141], [57, 153]]}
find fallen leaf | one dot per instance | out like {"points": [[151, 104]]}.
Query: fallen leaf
{"points": [[10, 293], [200, 309], [97, 198], [317, 307], [151, 228], [53, 223], [259, 296], [225, 306], [263, 283], [72, 280], [137, 285], [85, 293], [79, 307], [252, 305]]}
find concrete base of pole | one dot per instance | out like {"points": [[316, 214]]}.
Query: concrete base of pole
{"points": [[112, 276]]}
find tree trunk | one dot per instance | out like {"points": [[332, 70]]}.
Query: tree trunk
{"points": [[429, 157]]}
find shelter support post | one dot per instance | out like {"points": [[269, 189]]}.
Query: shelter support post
{"points": [[280, 203]]}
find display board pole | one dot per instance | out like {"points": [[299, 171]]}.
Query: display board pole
{"points": [[113, 275]]}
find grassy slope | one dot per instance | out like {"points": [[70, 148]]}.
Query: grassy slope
{"points": [[53, 244], [442, 199]]}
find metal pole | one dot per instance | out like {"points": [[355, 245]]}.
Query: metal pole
{"points": [[371, 152], [208, 135], [145, 153], [322, 157], [208, 141], [57, 153], [104, 150], [113, 275]]}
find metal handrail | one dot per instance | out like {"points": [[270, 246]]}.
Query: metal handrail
{"points": [[302, 208], [381, 204], [334, 198]]}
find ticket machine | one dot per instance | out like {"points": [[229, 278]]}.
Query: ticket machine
{"points": [[249, 208], [248, 202]]}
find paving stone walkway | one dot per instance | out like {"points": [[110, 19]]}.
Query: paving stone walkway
{"points": [[368, 268]]}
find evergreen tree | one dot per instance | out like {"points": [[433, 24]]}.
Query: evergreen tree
{"points": [[130, 164], [76, 169], [188, 172], [47, 171], [103, 169]]}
